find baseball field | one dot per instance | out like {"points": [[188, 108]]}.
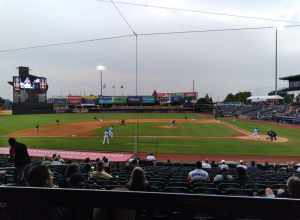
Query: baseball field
{"points": [[189, 135]]}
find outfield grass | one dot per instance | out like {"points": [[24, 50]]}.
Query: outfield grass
{"points": [[155, 144]]}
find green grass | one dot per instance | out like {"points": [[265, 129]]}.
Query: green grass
{"points": [[158, 143], [183, 129]]}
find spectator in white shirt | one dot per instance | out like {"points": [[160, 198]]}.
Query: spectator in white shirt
{"points": [[198, 174], [223, 165], [242, 164], [151, 157], [56, 162], [206, 164]]}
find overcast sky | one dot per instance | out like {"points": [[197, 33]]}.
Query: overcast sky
{"points": [[219, 62]]}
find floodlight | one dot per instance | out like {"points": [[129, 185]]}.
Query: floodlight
{"points": [[100, 68]]}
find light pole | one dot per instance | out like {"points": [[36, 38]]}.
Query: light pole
{"points": [[276, 59], [101, 68], [278, 27]]}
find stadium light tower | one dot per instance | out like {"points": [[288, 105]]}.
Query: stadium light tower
{"points": [[101, 68]]}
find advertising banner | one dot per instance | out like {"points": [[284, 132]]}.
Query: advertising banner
{"points": [[119, 100], [74, 100], [105, 100], [134, 100], [148, 99]]}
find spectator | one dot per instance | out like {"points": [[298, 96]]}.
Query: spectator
{"points": [[252, 168], [100, 173], [56, 161], [71, 169], [223, 164], [266, 165], [293, 188], [137, 181], [242, 164], [86, 168], [198, 174], [242, 177], [132, 163], [106, 164], [213, 164], [223, 176], [40, 176], [206, 164], [19, 154], [60, 159], [151, 157]]}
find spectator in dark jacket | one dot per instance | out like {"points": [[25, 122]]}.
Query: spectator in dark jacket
{"points": [[19, 154]]}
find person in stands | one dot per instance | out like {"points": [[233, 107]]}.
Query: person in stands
{"points": [[56, 161], [242, 176], [132, 163], [223, 164], [252, 168], [198, 174], [223, 176], [242, 164], [293, 189], [71, 169], [206, 164], [86, 168], [138, 181], [100, 173], [40, 176], [19, 154], [151, 157], [106, 164]]}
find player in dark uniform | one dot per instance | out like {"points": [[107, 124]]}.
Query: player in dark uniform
{"points": [[37, 128], [57, 121]]}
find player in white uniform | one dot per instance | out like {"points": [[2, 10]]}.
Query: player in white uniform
{"points": [[110, 132], [106, 137]]}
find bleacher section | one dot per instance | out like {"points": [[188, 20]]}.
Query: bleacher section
{"points": [[168, 177], [169, 196]]}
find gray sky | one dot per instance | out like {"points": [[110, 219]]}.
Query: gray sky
{"points": [[219, 62]]}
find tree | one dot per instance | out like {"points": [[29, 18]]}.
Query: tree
{"points": [[238, 97], [288, 98], [242, 96], [2, 102], [204, 104], [230, 98]]}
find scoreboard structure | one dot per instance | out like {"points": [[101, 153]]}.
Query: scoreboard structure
{"points": [[29, 93]]}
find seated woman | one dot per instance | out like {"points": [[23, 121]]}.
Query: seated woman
{"points": [[138, 181]]}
